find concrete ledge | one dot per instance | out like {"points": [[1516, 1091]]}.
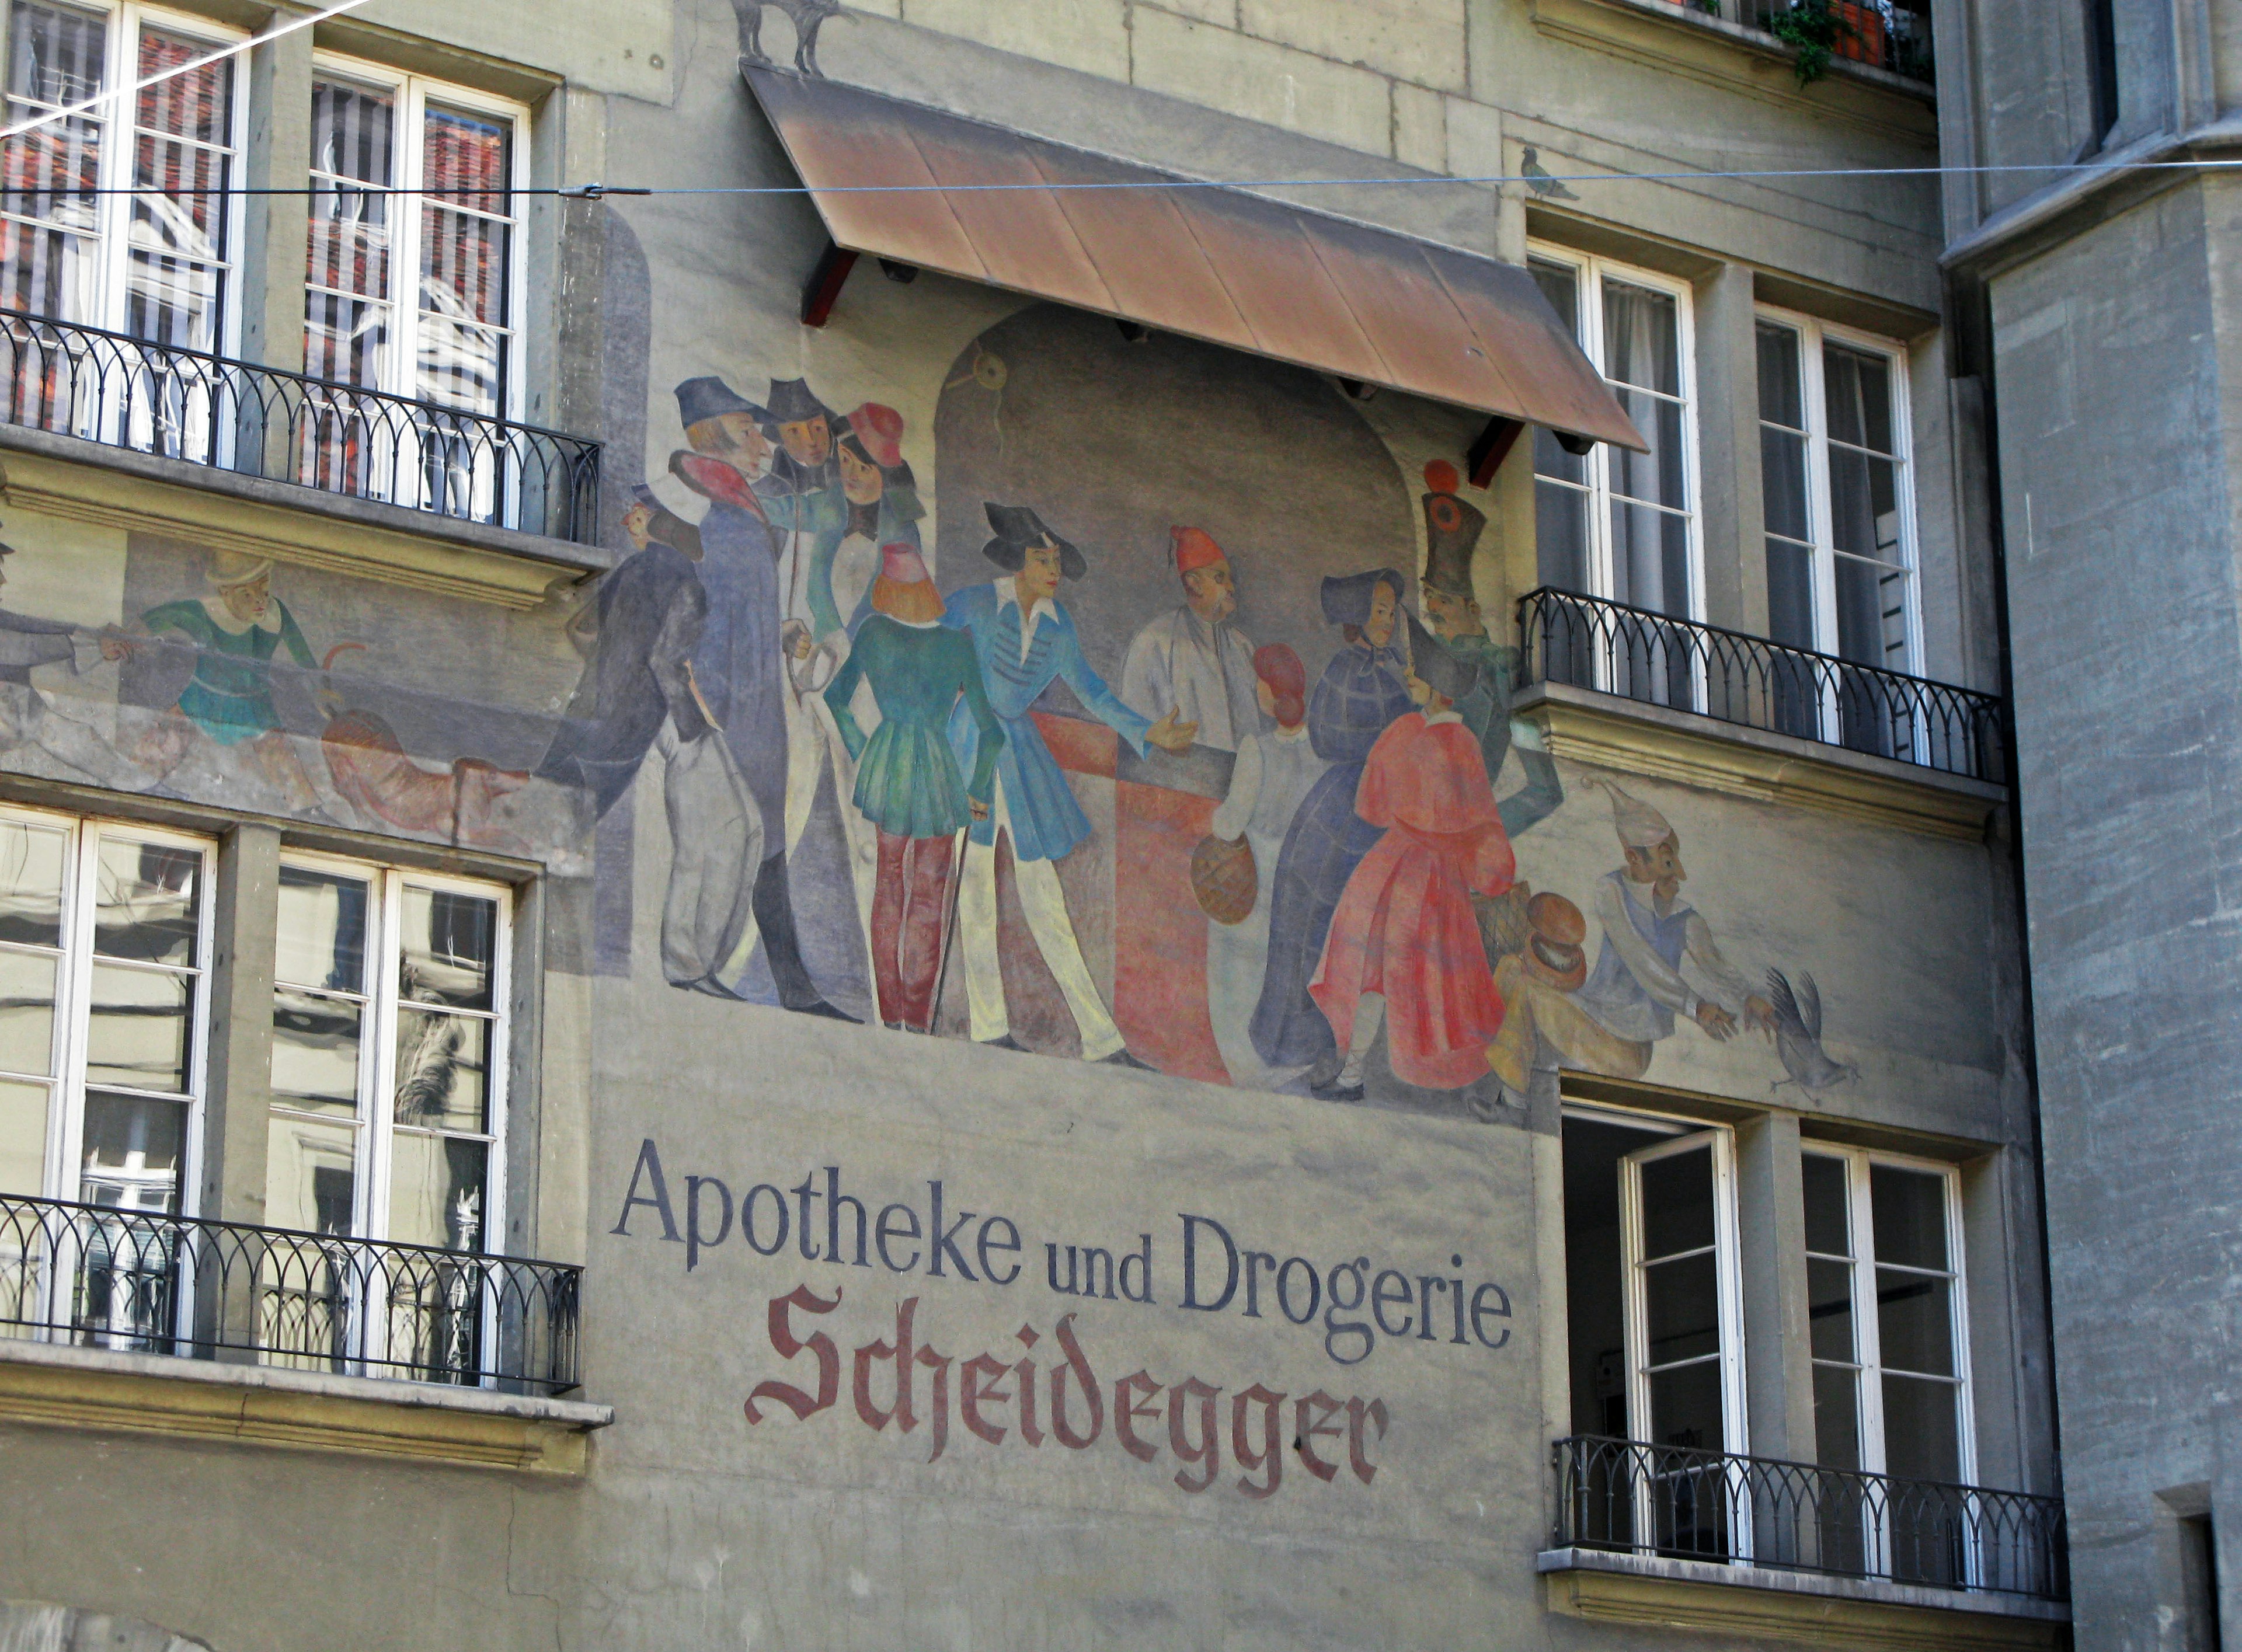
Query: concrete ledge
{"points": [[1670, 36], [1800, 1608], [1612, 732], [88, 482], [60, 1385]]}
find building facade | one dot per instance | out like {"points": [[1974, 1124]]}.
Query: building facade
{"points": [[2102, 311], [957, 823]]}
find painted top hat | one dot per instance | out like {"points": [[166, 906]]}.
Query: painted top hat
{"points": [[1449, 676], [710, 396], [1553, 948], [1016, 528], [792, 402], [1452, 531]]}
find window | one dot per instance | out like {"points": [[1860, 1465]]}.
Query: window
{"points": [[388, 1055], [413, 294], [157, 267], [1612, 522], [103, 936], [1839, 512]]}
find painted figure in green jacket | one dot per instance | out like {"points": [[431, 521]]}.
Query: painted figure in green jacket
{"points": [[907, 781]]}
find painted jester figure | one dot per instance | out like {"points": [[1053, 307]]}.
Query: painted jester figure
{"points": [[1025, 639]]}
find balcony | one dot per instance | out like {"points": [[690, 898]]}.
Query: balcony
{"points": [[235, 417], [1640, 655], [1712, 1541], [142, 1282], [1893, 34]]}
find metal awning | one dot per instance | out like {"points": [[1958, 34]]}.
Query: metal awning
{"points": [[1217, 263]]}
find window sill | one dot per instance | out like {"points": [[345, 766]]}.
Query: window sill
{"points": [[1669, 36], [1801, 1607], [69, 1387], [90, 481], [1612, 732]]}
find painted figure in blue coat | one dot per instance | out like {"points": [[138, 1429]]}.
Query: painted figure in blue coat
{"points": [[738, 663], [1362, 690], [1025, 639]]}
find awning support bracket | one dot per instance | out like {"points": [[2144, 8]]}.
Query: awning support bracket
{"points": [[1492, 446], [825, 284]]}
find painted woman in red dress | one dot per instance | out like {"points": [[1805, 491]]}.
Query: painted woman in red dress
{"points": [[1404, 945]]}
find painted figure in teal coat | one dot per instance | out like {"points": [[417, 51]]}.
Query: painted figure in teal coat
{"points": [[908, 783], [1025, 641]]}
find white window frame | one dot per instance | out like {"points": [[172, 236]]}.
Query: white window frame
{"points": [[400, 357], [1813, 334], [377, 1078], [63, 1172], [1867, 1332], [119, 119], [1592, 272]]}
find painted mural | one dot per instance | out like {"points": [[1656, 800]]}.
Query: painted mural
{"points": [[1149, 743]]}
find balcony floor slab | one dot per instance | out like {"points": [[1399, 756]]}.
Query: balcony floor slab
{"points": [[57, 1385]]}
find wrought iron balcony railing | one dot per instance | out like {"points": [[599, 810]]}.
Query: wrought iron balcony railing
{"points": [[105, 1276], [154, 397], [1682, 1503], [1643, 654]]}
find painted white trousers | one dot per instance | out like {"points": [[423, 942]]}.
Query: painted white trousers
{"points": [[1043, 903]]}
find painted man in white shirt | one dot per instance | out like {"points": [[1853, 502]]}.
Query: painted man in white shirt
{"points": [[1191, 661]]}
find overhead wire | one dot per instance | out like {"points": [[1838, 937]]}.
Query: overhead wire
{"points": [[1530, 181]]}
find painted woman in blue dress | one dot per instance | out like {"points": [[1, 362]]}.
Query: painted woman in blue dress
{"points": [[1362, 690]]}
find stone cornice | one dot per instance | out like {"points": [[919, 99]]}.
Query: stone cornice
{"points": [[1798, 1609], [87, 482], [1609, 732], [271, 1406]]}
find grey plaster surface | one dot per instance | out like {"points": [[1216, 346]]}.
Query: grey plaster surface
{"points": [[1777, 1581]]}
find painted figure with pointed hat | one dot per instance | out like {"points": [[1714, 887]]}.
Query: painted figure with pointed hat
{"points": [[1362, 692], [1025, 639], [1404, 949], [1193, 660], [1452, 526]]}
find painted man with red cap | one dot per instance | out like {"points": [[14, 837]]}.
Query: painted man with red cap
{"points": [[1192, 661]]}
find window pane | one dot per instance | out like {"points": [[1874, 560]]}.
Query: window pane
{"points": [[1790, 597], [342, 341], [311, 1173], [1915, 1322], [352, 138], [23, 1111], [443, 1077], [447, 945], [197, 104], [1661, 476], [55, 56], [137, 1028], [1781, 385], [322, 929], [1551, 460], [1864, 505], [1643, 337], [352, 133], [1909, 1210], [1829, 1217], [147, 901], [1677, 1203], [315, 1052], [436, 1190], [1682, 1305], [175, 294], [133, 1148], [1685, 1407], [1858, 388], [1921, 1432], [1782, 482], [31, 884], [1871, 613], [1561, 284], [461, 366], [1650, 558], [1829, 1310], [1836, 1417], [1561, 537], [27, 1012]]}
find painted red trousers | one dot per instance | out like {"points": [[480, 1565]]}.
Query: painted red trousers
{"points": [[909, 905]]}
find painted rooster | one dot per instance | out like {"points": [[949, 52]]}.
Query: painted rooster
{"points": [[809, 16]]}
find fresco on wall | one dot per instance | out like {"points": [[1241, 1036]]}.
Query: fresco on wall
{"points": [[1160, 752]]}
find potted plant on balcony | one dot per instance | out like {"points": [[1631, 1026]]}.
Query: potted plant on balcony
{"points": [[1820, 30]]}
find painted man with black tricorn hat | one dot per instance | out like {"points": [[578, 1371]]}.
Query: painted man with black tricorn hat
{"points": [[1024, 638], [738, 664], [1404, 949], [1452, 527]]}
